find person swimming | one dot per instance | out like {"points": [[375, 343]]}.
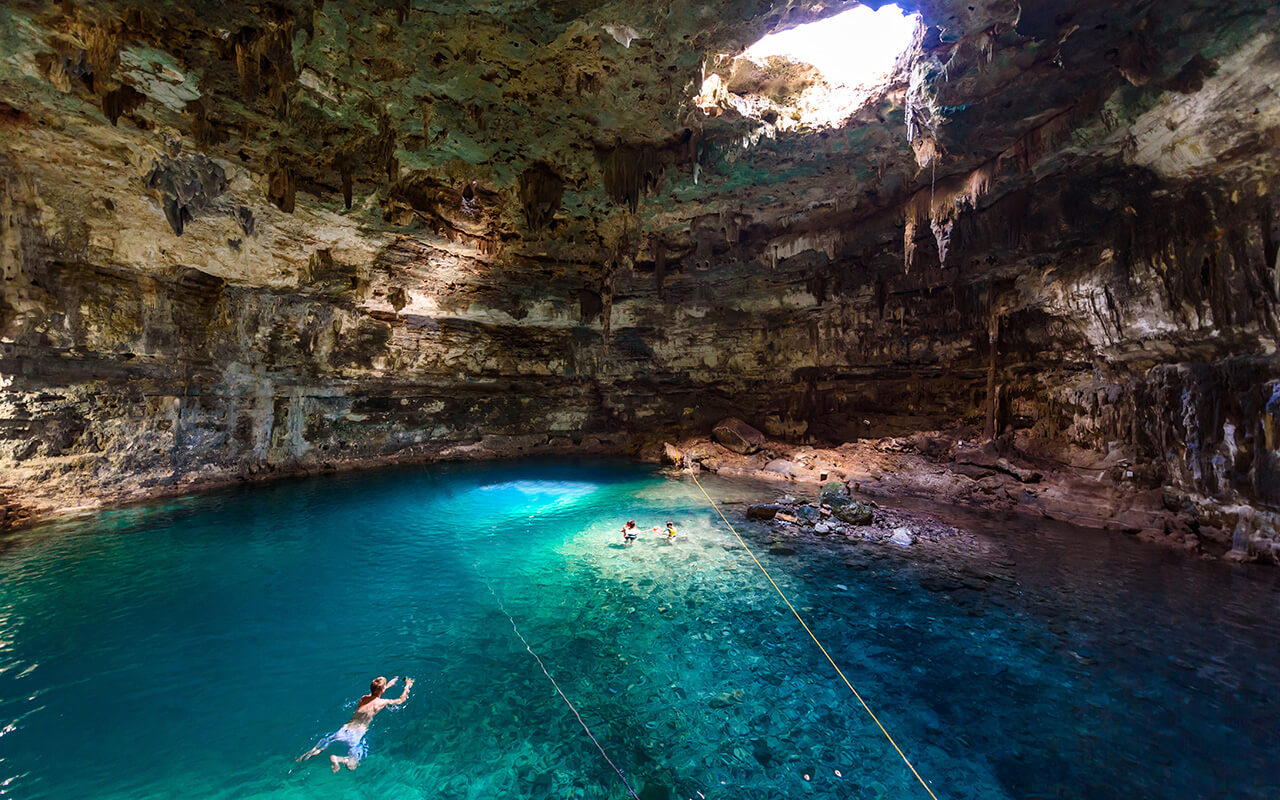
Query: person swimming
{"points": [[629, 532], [353, 733], [671, 531]]}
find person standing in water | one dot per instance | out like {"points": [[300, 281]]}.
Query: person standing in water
{"points": [[353, 733], [629, 532]]}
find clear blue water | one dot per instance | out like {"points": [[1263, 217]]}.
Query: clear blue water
{"points": [[194, 648]]}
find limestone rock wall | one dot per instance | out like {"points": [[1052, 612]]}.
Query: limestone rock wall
{"points": [[242, 241]]}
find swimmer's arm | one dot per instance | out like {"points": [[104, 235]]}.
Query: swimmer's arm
{"points": [[408, 684]]}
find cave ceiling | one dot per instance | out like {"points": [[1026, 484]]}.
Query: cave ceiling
{"points": [[567, 131]]}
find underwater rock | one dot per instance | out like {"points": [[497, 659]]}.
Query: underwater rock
{"points": [[655, 791], [763, 511], [725, 699], [762, 752], [738, 436]]}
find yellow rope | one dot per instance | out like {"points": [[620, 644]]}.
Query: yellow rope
{"points": [[906, 760]]}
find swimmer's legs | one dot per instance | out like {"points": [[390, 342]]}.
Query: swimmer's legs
{"points": [[319, 748], [337, 762]]}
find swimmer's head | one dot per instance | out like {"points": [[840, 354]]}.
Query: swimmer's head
{"points": [[378, 686]]}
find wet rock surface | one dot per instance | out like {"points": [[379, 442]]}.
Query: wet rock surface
{"points": [[242, 240], [893, 469]]}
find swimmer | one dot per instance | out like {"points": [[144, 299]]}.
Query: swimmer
{"points": [[671, 531], [629, 532], [352, 734]]}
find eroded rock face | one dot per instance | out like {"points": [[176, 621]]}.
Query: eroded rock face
{"points": [[240, 239]]}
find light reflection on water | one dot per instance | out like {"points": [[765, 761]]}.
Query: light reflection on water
{"points": [[195, 647]]}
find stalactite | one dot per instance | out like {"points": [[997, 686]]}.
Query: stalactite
{"points": [[384, 149], [659, 263], [344, 172], [281, 183], [428, 113], [630, 172], [123, 100], [185, 183], [266, 57], [993, 342], [1137, 57], [244, 218], [540, 190], [102, 51], [1034, 144], [942, 205], [247, 67]]}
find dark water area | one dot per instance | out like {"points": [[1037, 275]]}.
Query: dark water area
{"points": [[196, 647]]}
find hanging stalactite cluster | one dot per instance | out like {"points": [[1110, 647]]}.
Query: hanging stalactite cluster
{"points": [[281, 182], [630, 172], [540, 191]]}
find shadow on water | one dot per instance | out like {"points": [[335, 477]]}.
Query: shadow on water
{"points": [[196, 646]]}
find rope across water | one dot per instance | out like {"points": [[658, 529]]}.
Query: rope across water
{"points": [[781, 594], [590, 735]]}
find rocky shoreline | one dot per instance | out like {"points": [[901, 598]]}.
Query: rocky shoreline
{"points": [[1008, 474], [51, 495], [1084, 488]]}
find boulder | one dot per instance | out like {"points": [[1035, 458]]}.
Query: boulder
{"points": [[781, 466], [902, 536], [671, 454], [738, 436], [710, 464], [822, 529], [834, 493], [853, 512], [762, 511]]}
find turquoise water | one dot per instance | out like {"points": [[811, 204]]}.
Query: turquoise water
{"points": [[194, 648]]}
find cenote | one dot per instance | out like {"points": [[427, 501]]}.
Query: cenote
{"points": [[197, 646]]}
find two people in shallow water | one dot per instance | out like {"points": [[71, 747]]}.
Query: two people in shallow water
{"points": [[630, 532], [353, 733]]}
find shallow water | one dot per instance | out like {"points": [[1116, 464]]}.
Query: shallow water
{"points": [[194, 648]]}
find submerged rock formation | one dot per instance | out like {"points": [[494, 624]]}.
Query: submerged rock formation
{"points": [[238, 240]]}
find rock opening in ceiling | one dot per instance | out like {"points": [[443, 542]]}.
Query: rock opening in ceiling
{"points": [[812, 75]]}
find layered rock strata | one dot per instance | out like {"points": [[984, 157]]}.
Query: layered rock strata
{"points": [[239, 240]]}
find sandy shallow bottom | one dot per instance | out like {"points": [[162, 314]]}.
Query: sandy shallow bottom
{"points": [[195, 647]]}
